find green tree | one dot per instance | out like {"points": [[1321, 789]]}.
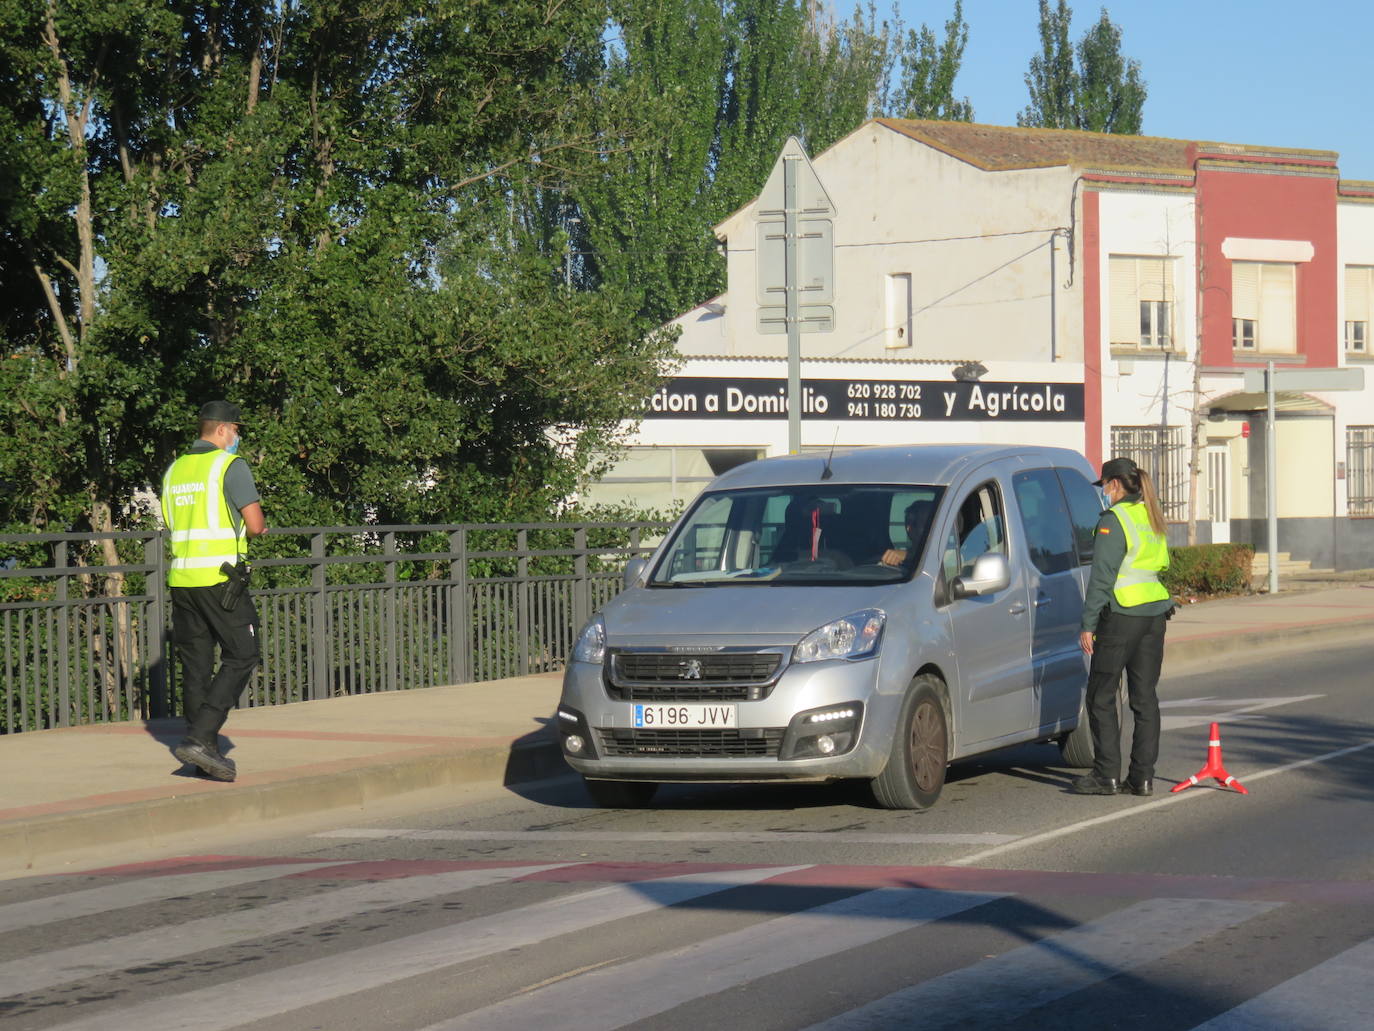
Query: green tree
{"points": [[929, 68], [1101, 92], [1111, 95], [716, 86], [309, 207]]}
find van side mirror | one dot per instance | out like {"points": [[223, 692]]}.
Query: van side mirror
{"points": [[633, 570], [990, 574]]}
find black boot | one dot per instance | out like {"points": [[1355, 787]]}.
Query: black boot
{"points": [[205, 758], [1094, 784]]}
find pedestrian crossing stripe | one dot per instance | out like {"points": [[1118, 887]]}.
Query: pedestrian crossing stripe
{"points": [[1007, 986], [790, 916], [857, 877]]}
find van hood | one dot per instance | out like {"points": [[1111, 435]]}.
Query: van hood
{"points": [[643, 615]]}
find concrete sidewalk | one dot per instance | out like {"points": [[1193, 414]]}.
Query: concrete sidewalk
{"points": [[66, 794]]}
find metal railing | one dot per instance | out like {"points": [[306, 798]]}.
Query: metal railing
{"points": [[342, 610]]}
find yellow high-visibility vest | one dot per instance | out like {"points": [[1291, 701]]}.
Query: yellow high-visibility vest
{"points": [[197, 514], [1147, 552]]}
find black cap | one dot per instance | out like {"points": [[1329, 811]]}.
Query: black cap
{"points": [[1117, 469], [220, 411]]}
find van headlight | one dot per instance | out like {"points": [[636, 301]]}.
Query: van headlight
{"points": [[856, 636], [591, 643]]}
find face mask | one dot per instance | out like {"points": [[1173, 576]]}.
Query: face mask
{"points": [[233, 448]]}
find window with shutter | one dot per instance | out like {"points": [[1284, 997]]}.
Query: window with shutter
{"points": [[1140, 302], [1263, 306]]}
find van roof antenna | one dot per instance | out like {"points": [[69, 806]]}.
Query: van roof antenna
{"points": [[826, 473]]}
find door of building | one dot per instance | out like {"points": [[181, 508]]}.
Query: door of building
{"points": [[1218, 492]]}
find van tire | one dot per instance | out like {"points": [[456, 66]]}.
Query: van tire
{"points": [[1076, 747], [915, 771], [620, 794]]}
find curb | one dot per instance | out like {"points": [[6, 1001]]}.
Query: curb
{"points": [[47, 840], [1226, 643]]}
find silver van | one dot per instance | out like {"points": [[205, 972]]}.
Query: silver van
{"points": [[874, 613]]}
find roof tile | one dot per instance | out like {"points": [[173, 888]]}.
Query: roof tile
{"points": [[1001, 147]]}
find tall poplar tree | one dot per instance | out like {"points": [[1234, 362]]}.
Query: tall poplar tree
{"points": [[1111, 95], [1100, 92], [929, 68], [718, 86]]}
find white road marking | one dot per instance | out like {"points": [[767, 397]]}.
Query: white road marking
{"points": [[1136, 810], [41, 970], [1331, 996], [615, 996], [1229, 710], [141, 890], [762, 836], [303, 984], [996, 991]]}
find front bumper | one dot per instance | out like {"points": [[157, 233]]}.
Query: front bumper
{"points": [[774, 739]]}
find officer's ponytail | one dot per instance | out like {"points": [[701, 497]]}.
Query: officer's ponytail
{"points": [[1145, 487]]}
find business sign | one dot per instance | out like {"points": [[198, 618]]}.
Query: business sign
{"points": [[868, 400]]}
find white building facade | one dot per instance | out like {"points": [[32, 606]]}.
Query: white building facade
{"points": [[1097, 292]]}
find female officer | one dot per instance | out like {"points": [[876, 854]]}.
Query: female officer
{"points": [[1124, 611]]}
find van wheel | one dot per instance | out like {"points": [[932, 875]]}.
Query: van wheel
{"points": [[915, 770], [1076, 747], [620, 794]]}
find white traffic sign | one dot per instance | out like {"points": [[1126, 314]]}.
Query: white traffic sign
{"points": [[1305, 379], [795, 264], [815, 245]]}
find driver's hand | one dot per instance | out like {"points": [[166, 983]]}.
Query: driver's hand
{"points": [[892, 557]]}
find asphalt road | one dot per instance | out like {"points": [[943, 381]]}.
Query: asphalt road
{"points": [[1011, 904]]}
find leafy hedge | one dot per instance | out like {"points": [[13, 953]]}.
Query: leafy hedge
{"points": [[1208, 569]]}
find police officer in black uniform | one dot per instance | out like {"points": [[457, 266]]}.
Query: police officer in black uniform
{"points": [[210, 507]]}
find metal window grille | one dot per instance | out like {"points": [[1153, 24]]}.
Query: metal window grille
{"points": [[1163, 454], [1359, 469]]}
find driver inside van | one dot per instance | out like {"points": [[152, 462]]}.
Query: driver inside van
{"points": [[917, 519]]}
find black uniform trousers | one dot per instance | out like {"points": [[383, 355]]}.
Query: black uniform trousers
{"points": [[199, 623], [1135, 644]]}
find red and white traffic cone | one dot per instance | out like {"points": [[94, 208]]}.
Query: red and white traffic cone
{"points": [[1214, 768]]}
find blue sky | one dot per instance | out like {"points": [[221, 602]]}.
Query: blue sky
{"points": [[1263, 72]]}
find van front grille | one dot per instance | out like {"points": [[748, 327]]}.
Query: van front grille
{"points": [[745, 743], [708, 667], [686, 677]]}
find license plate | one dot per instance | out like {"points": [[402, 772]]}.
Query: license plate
{"points": [[684, 717]]}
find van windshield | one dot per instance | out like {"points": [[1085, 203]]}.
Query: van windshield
{"points": [[842, 535]]}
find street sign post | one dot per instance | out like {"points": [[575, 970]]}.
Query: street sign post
{"points": [[1271, 380], [795, 263]]}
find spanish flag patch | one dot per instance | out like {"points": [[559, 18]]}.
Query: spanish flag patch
{"points": [[1103, 529]]}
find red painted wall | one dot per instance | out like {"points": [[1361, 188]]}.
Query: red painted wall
{"points": [[1092, 330], [1270, 206]]}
